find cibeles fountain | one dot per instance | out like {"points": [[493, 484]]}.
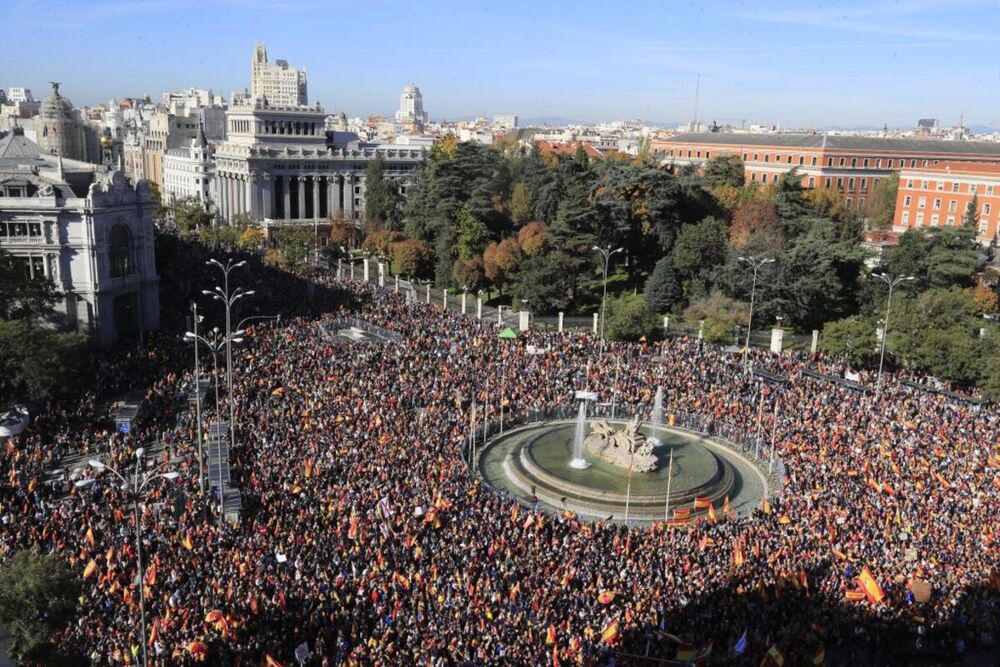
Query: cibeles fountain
{"points": [[600, 468]]}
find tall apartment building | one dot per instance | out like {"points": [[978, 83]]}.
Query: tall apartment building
{"points": [[411, 114], [852, 165], [280, 84], [940, 196]]}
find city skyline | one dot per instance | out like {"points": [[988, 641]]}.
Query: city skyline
{"points": [[847, 65]]}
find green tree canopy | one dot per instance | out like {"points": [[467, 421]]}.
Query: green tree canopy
{"points": [[629, 318], [882, 203], [664, 292], [38, 596], [724, 170], [851, 339]]}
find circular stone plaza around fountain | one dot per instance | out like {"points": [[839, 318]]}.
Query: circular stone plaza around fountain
{"points": [[534, 462]]}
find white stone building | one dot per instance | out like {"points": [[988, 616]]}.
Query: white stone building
{"points": [[281, 166], [88, 229], [279, 84], [411, 115], [188, 173]]}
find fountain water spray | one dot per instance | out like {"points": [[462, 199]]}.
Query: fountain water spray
{"points": [[578, 461], [657, 416]]}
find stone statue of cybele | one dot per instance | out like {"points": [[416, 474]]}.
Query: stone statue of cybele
{"points": [[624, 448]]}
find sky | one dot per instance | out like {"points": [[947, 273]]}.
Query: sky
{"points": [[857, 63]]}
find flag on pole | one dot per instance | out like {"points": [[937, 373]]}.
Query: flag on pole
{"points": [[871, 586], [610, 632], [90, 570], [740, 646]]}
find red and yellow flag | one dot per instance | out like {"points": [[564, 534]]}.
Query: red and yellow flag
{"points": [[711, 514], [702, 503], [550, 635], [738, 557], [610, 632], [871, 586], [90, 570], [89, 537], [186, 542]]}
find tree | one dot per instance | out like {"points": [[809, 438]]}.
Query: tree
{"points": [[697, 250], [936, 257], [189, 214], [971, 217], [412, 257], [851, 338], [382, 197], [296, 245], [989, 378], [724, 170], [949, 354], [380, 242], [472, 234], [541, 282], [720, 314], [663, 291], [469, 273], [38, 362], [882, 204], [23, 297], [756, 216], [500, 260], [251, 238], [533, 238], [826, 203], [629, 318], [521, 204], [38, 596]]}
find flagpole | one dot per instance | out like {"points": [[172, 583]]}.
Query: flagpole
{"points": [[774, 433], [670, 473], [628, 490], [760, 418]]}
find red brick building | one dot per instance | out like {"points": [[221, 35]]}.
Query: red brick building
{"points": [[850, 164], [939, 195]]}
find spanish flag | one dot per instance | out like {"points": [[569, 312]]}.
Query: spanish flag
{"points": [[150, 577], [515, 512], [550, 635], [89, 537], [819, 658], [610, 632], [606, 597], [784, 520], [765, 505], [90, 570], [738, 557], [352, 529], [702, 503], [682, 513], [725, 506], [309, 469], [711, 514], [872, 588]]}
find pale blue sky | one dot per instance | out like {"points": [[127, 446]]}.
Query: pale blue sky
{"points": [[848, 63]]}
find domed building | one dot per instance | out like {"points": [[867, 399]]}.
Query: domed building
{"points": [[58, 129]]}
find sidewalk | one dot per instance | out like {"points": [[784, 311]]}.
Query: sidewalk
{"points": [[5, 660]]}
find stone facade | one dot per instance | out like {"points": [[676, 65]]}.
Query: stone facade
{"points": [[280, 165], [88, 229], [279, 84]]}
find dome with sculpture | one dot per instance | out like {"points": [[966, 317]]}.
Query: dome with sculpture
{"points": [[58, 129]]}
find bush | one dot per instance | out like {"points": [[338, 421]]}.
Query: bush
{"points": [[721, 315], [629, 318]]}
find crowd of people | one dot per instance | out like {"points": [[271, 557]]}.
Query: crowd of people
{"points": [[367, 538]]}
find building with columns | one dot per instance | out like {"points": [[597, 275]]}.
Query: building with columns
{"points": [[86, 228], [281, 166]]}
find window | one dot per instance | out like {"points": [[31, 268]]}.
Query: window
{"points": [[767, 157], [986, 209], [922, 202], [906, 217], [878, 163], [909, 183], [951, 220], [952, 206], [763, 178], [906, 200], [812, 181], [753, 178], [777, 158], [923, 185], [698, 154], [119, 253], [802, 159], [972, 188], [934, 220], [861, 204], [954, 187], [937, 204], [814, 161], [989, 189], [850, 184], [842, 162], [826, 182], [745, 157], [865, 165], [864, 183], [848, 202], [840, 183], [920, 219], [854, 162], [790, 160], [940, 186]]}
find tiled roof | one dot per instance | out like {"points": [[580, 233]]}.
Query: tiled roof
{"points": [[836, 142], [17, 147], [982, 168]]}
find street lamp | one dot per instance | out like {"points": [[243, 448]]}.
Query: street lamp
{"points": [[228, 299], [134, 489], [214, 342], [891, 282], [194, 337], [606, 253], [756, 265]]}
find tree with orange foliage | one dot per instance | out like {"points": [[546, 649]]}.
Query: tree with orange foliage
{"points": [[754, 217], [533, 238], [500, 260]]}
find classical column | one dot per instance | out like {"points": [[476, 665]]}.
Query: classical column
{"points": [[286, 190], [349, 196], [316, 187], [328, 182], [267, 196], [224, 196], [251, 198], [302, 197], [338, 194]]}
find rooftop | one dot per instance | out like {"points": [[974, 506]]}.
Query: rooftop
{"points": [[975, 168], [840, 142]]}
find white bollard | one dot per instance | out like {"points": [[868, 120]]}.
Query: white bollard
{"points": [[777, 340], [397, 284], [701, 330], [666, 322], [428, 292], [464, 295], [815, 341], [366, 272], [560, 321], [444, 299], [479, 308], [525, 320], [595, 322], [381, 274]]}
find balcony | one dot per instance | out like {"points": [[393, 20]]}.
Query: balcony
{"points": [[22, 240]]}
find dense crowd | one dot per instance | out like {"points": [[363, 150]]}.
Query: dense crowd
{"points": [[366, 537]]}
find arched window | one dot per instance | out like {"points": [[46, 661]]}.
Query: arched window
{"points": [[119, 252]]}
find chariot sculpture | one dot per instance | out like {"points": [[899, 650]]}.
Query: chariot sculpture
{"points": [[624, 448]]}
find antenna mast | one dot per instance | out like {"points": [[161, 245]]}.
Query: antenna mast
{"points": [[697, 90]]}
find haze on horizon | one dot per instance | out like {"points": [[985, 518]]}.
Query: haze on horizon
{"points": [[846, 63]]}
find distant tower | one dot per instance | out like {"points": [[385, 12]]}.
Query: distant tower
{"points": [[411, 114], [280, 84], [58, 128]]}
